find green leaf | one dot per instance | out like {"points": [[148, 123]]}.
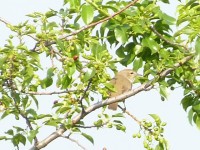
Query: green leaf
{"points": [[117, 121], [159, 147], [5, 114], [50, 72], [16, 97], [32, 135], [196, 107], [98, 123], [89, 74], [41, 116], [63, 109], [71, 70], [164, 91], [10, 132], [120, 34], [87, 14], [19, 138], [118, 115], [88, 137], [35, 100], [137, 64], [33, 55], [190, 116], [127, 53], [171, 82], [197, 121], [74, 4], [50, 13], [22, 139], [32, 112], [3, 138], [156, 118], [150, 43], [18, 129], [53, 122], [46, 82], [197, 45], [66, 81], [187, 101], [165, 1], [167, 19], [109, 86], [120, 127], [2, 60], [137, 49]]}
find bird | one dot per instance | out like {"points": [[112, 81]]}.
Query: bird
{"points": [[122, 83]]}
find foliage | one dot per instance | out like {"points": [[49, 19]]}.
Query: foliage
{"points": [[74, 53]]}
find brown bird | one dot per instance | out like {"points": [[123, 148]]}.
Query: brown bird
{"points": [[122, 83]]}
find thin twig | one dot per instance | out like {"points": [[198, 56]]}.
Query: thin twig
{"points": [[27, 121], [75, 141], [48, 93], [67, 37], [167, 41], [30, 127], [136, 120], [132, 116], [84, 93], [7, 23], [4, 21], [93, 126]]}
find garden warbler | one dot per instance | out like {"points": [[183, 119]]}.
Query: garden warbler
{"points": [[122, 83]]}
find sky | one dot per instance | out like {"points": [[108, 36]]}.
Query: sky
{"points": [[180, 134]]}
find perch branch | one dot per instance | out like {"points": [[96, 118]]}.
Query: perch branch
{"points": [[125, 95], [100, 104]]}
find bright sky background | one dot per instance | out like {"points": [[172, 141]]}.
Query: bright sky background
{"points": [[181, 135]]}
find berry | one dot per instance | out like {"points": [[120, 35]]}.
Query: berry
{"points": [[75, 57]]}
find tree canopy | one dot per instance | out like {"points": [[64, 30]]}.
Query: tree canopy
{"points": [[77, 47]]}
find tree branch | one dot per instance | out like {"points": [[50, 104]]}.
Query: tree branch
{"points": [[47, 93], [58, 133], [166, 40], [103, 20], [4, 21], [136, 120], [67, 37]]}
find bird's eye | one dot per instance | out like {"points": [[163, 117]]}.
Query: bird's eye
{"points": [[132, 73]]}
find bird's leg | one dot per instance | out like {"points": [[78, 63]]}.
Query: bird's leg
{"points": [[123, 109]]}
